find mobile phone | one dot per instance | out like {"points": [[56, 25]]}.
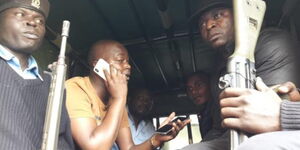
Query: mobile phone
{"points": [[179, 118], [100, 66], [164, 130]]}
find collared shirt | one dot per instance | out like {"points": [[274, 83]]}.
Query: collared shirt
{"points": [[31, 72], [142, 132]]}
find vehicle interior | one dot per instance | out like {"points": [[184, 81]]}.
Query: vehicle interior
{"points": [[164, 47]]}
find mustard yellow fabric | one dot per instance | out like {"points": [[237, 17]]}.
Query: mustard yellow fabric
{"points": [[83, 102]]}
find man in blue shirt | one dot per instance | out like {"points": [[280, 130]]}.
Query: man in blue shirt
{"points": [[140, 105], [23, 87], [31, 72]]}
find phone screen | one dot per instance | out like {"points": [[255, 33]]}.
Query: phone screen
{"points": [[100, 66], [164, 129]]}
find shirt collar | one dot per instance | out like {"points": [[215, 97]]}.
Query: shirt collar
{"points": [[32, 64], [141, 123], [5, 54]]}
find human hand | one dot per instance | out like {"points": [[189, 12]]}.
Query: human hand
{"points": [[52, 66], [253, 111], [159, 139], [288, 89], [116, 83]]}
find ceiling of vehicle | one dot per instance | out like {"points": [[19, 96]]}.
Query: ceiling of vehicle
{"points": [[163, 46]]}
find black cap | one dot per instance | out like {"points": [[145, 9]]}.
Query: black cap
{"points": [[206, 5], [41, 6]]}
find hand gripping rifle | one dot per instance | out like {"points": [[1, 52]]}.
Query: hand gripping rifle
{"points": [[56, 94], [248, 18]]}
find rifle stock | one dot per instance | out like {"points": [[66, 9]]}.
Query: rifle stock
{"points": [[248, 18], [55, 97]]}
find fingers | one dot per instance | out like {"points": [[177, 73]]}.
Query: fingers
{"points": [[168, 120], [113, 71], [231, 102], [290, 89], [116, 83], [171, 116], [107, 76], [231, 112], [233, 106], [287, 87], [114, 74], [181, 124], [110, 73], [52, 66], [175, 129], [287, 91], [260, 85], [234, 92], [178, 126], [233, 123], [185, 122]]}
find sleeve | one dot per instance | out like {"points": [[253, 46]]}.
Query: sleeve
{"points": [[77, 102], [290, 115], [276, 57]]}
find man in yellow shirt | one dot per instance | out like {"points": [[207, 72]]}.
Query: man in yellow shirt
{"points": [[97, 108]]}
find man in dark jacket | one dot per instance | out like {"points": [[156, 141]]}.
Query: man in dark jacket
{"points": [[275, 59], [198, 90], [23, 87]]}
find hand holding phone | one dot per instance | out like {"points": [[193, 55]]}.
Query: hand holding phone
{"points": [[100, 66], [164, 130]]}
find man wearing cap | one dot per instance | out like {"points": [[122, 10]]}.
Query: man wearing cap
{"points": [[23, 87], [275, 60]]}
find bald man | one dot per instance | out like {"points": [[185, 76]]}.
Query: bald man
{"points": [[97, 107]]}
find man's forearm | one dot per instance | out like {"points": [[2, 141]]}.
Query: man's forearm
{"points": [[108, 130]]}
